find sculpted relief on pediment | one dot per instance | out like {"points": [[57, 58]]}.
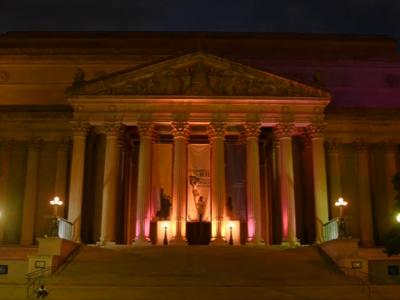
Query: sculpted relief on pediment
{"points": [[198, 76]]}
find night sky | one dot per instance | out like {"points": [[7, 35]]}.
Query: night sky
{"points": [[315, 16]]}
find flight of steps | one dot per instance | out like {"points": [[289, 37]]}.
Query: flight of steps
{"points": [[205, 272]]}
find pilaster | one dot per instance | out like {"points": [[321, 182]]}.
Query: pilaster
{"points": [[30, 194], [364, 193]]}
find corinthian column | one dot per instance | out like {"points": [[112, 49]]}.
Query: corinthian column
{"points": [[80, 130], [284, 133], [30, 195], [253, 183], [335, 185], [109, 204], [60, 188], [5, 157], [364, 194], [180, 131], [145, 130], [316, 132], [216, 132]]}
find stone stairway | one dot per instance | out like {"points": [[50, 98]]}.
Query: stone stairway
{"points": [[206, 272]]}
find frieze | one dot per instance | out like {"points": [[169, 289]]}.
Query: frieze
{"points": [[196, 74]]}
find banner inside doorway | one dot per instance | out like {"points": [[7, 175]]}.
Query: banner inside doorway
{"points": [[198, 182]]}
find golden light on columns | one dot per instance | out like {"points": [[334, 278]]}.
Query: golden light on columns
{"points": [[55, 203], [341, 203]]}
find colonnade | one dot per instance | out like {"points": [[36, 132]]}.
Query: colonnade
{"points": [[323, 177], [216, 132]]}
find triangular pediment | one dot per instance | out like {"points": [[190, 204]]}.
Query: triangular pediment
{"points": [[197, 74]]}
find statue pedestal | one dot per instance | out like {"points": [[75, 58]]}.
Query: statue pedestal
{"points": [[198, 233]]}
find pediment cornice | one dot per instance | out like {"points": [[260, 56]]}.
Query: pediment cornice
{"points": [[197, 74]]}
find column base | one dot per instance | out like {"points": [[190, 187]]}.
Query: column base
{"points": [[219, 241], [255, 243], [291, 244], [141, 242], [177, 241], [105, 244]]}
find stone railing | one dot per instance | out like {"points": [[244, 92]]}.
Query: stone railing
{"points": [[64, 229], [334, 229]]}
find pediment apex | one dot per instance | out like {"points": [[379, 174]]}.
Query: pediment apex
{"points": [[197, 74]]}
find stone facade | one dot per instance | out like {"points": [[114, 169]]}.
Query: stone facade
{"points": [[79, 115]]}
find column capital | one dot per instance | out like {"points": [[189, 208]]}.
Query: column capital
{"points": [[145, 129], [306, 138], [216, 129], [80, 128], [35, 144], [389, 145], [64, 143], [7, 144], [252, 129], [180, 129], [284, 130], [113, 128], [360, 145], [316, 130], [333, 145]]}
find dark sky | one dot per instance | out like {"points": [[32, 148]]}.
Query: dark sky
{"points": [[320, 16]]}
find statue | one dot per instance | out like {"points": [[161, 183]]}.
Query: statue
{"points": [[199, 201], [79, 76], [165, 204], [200, 206]]}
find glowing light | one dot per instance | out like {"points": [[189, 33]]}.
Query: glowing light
{"points": [[165, 225], [340, 202], [398, 218], [230, 226], [56, 201]]}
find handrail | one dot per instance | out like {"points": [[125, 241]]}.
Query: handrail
{"points": [[34, 279], [64, 229], [334, 229]]}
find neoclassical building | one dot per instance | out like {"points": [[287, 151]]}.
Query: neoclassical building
{"points": [[138, 133]]}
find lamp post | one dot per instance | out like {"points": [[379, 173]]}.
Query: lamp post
{"points": [[230, 233], [342, 226], [398, 217], [165, 242], [56, 202]]}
